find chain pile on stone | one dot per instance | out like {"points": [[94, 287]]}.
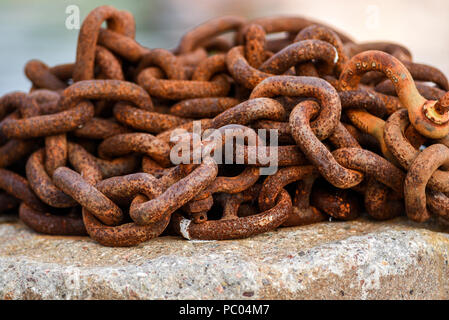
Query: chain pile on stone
{"points": [[86, 150]]}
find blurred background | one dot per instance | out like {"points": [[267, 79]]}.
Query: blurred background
{"points": [[36, 29]]}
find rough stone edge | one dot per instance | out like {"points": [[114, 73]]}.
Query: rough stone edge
{"points": [[343, 269]]}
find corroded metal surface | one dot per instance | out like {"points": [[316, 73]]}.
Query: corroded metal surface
{"points": [[90, 149]]}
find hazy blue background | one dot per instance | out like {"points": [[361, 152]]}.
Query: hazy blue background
{"points": [[36, 29]]}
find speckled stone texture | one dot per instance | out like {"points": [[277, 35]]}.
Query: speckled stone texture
{"points": [[333, 260]]}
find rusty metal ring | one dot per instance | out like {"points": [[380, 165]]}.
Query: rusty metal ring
{"points": [[17, 186], [165, 60], [255, 41], [183, 89], [396, 50], [71, 183], [249, 111], [377, 202], [363, 99], [110, 67], [342, 138], [290, 24], [88, 36], [100, 129], [47, 125], [405, 153], [41, 76], [143, 120], [123, 144], [299, 52], [237, 228], [106, 89], [438, 203], [315, 151], [423, 72], [55, 152], [208, 67], [275, 183], [176, 195], [42, 184], [230, 185], [125, 235], [418, 175], [122, 189], [192, 39], [202, 107], [372, 165], [47, 223], [337, 203], [327, 96], [325, 34], [122, 45], [14, 150], [240, 69], [428, 92]]}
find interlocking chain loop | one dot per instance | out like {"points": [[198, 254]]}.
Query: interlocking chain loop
{"points": [[418, 175], [118, 21], [235, 227], [176, 195]]}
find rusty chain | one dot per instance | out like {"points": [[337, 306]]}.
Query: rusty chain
{"points": [[87, 151]]}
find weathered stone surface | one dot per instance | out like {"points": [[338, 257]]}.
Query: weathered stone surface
{"points": [[332, 260]]}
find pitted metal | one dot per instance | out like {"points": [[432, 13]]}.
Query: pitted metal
{"points": [[88, 150]]}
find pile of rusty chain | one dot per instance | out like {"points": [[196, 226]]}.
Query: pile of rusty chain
{"points": [[87, 149]]}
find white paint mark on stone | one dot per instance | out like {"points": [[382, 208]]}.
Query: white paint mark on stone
{"points": [[184, 228]]}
